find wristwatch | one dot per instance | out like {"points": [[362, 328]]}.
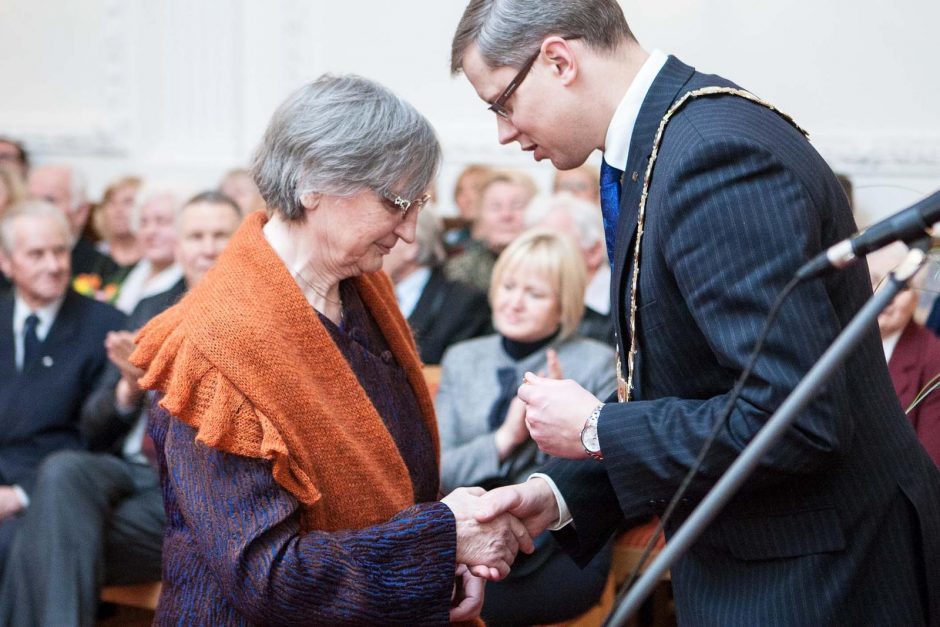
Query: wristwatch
{"points": [[589, 439]]}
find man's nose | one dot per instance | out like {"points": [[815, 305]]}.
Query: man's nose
{"points": [[505, 131]]}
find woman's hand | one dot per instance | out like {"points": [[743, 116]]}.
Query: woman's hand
{"points": [[487, 548], [468, 595], [513, 432]]}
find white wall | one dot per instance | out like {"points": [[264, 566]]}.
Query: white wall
{"points": [[182, 89]]}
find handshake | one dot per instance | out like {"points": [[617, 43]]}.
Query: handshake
{"points": [[492, 527]]}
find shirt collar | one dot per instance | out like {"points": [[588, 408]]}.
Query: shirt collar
{"points": [[617, 142], [408, 291], [46, 316]]}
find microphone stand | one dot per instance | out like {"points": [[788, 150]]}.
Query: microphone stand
{"points": [[770, 433]]}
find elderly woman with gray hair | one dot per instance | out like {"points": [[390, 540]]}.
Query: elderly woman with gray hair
{"points": [[295, 435], [440, 312]]}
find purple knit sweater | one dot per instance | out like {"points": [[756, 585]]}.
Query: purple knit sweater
{"points": [[233, 550]]}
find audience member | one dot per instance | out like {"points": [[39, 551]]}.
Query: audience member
{"points": [[13, 155], [63, 187], [153, 224], [501, 218], [11, 189], [581, 221], [467, 200], [51, 352], [581, 182], [11, 192], [239, 186], [295, 435], [96, 517], [537, 296], [913, 353], [112, 221], [439, 312]]}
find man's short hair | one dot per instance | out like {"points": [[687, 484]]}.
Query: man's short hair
{"points": [[31, 209], [508, 32], [584, 216], [212, 197]]}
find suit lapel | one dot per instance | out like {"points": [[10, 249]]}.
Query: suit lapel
{"points": [[663, 92], [8, 371]]}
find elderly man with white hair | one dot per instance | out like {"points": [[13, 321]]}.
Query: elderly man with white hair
{"points": [[62, 186], [581, 221], [51, 352]]}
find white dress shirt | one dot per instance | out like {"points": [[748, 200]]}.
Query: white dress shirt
{"points": [[597, 294], [21, 311], [408, 291], [616, 150], [137, 286]]}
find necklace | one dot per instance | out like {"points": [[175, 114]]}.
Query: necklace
{"points": [[338, 303], [625, 386]]}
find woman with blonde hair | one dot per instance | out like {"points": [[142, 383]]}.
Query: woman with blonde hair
{"points": [[537, 297]]}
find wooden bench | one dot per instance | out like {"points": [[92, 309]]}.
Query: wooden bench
{"points": [[142, 595]]}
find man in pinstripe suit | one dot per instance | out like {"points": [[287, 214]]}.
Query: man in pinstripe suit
{"points": [[841, 523]]}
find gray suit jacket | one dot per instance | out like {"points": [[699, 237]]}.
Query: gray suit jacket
{"points": [[469, 388]]}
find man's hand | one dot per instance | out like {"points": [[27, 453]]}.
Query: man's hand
{"points": [[468, 596], [487, 548], [9, 502], [555, 414], [532, 502]]}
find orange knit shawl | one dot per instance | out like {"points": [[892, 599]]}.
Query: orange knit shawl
{"points": [[245, 360]]}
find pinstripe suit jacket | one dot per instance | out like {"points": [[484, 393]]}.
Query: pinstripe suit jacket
{"points": [[841, 523]]}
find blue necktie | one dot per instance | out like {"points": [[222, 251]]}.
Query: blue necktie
{"points": [[610, 204], [31, 341]]}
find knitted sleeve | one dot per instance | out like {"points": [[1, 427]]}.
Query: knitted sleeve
{"points": [[234, 537]]}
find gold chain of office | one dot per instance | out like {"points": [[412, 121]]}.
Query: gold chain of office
{"points": [[624, 387]]}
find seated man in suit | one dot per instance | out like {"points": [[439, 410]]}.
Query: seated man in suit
{"points": [[51, 352], [62, 186], [98, 516], [440, 312], [913, 352]]}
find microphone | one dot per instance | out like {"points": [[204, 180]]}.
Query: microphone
{"points": [[906, 225]]}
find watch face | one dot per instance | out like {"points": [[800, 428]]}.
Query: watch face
{"points": [[589, 439]]}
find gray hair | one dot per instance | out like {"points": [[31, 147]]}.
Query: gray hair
{"points": [[150, 192], [508, 32], [31, 209], [584, 215], [341, 135], [428, 231]]}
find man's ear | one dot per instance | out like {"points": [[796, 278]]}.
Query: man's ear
{"points": [[562, 57], [595, 255], [5, 266]]}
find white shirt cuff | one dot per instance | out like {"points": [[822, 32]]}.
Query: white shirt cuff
{"points": [[21, 495], [564, 516]]}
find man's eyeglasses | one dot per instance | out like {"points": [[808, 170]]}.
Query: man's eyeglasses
{"points": [[499, 105], [396, 203]]}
